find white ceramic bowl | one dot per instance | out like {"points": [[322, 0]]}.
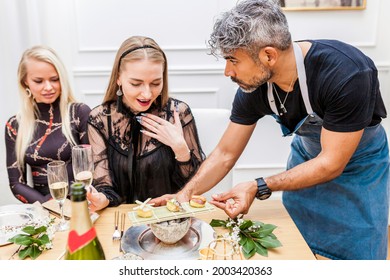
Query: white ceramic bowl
{"points": [[170, 232]]}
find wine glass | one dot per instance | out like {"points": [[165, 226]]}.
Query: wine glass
{"points": [[82, 163], [57, 178]]}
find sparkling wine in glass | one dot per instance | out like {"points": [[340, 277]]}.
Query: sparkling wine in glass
{"points": [[82, 162], [57, 178]]}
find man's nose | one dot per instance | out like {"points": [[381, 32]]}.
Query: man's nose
{"points": [[228, 71]]}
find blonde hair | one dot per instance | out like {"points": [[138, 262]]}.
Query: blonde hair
{"points": [[133, 49], [28, 111]]}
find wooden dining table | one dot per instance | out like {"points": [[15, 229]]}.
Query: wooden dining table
{"points": [[273, 212]]}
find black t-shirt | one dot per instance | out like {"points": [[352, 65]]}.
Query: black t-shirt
{"points": [[343, 90]]}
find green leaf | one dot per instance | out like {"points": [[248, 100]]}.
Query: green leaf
{"points": [[269, 242], [243, 240], [249, 245], [36, 241], [40, 229], [35, 252], [22, 239], [217, 223], [246, 224], [44, 239], [12, 239], [265, 230], [249, 254], [261, 250], [254, 234], [32, 252], [24, 253], [273, 236], [29, 230]]}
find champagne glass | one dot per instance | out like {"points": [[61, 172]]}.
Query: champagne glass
{"points": [[57, 178], [82, 162]]}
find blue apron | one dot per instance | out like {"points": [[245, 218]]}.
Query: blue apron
{"points": [[347, 217]]}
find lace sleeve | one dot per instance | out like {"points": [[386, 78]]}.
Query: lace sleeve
{"points": [[187, 169], [102, 178]]}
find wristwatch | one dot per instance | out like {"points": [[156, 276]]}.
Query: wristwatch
{"points": [[263, 192]]}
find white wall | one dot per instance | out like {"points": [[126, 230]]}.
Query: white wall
{"points": [[86, 34]]}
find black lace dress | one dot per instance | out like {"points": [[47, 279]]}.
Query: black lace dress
{"points": [[48, 144], [130, 165]]}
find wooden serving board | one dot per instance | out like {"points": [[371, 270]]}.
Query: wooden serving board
{"points": [[161, 214]]}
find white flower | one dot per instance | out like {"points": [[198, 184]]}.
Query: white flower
{"points": [[48, 246]]}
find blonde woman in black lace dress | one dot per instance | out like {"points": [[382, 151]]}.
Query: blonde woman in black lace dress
{"points": [[48, 124], [145, 143]]}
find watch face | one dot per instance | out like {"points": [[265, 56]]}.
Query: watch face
{"points": [[263, 196]]}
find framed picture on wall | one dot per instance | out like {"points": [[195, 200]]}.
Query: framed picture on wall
{"points": [[299, 5]]}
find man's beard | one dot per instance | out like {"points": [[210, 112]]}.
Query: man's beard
{"points": [[256, 81]]}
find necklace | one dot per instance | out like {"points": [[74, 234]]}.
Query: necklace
{"points": [[282, 107]]}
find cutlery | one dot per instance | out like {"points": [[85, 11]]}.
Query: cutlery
{"points": [[116, 235], [123, 217]]}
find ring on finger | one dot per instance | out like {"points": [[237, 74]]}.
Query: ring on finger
{"points": [[156, 124]]}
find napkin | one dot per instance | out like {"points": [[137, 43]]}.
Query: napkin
{"points": [[52, 206]]}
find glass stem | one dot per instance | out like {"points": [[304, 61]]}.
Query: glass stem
{"points": [[61, 204]]}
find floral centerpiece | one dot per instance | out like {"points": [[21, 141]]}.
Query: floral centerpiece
{"points": [[34, 238], [252, 236]]}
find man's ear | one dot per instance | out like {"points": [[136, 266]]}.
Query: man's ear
{"points": [[268, 56]]}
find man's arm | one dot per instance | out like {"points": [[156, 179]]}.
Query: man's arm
{"points": [[220, 161], [337, 149]]}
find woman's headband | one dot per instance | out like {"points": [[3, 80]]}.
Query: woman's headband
{"points": [[134, 49]]}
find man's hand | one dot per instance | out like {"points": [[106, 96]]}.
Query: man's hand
{"points": [[162, 200], [237, 200], [181, 196]]}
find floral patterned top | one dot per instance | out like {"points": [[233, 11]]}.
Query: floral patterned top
{"points": [[131, 166]]}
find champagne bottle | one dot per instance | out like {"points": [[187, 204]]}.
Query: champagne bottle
{"points": [[83, 243]]}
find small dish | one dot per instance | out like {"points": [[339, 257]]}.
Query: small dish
{"points": [[170, 232]]}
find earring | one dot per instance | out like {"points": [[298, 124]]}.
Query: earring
{"points": [[29, 94], [119, 94]]}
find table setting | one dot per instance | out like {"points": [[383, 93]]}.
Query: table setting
{"points": [[14, 217], [124, 238]]}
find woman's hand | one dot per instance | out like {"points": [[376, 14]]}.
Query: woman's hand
{"points": [[167, 133], [97, 200]]}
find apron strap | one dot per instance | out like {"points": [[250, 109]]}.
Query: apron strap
{"points": [[271, 99], [302, 83], [302, 77]]}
